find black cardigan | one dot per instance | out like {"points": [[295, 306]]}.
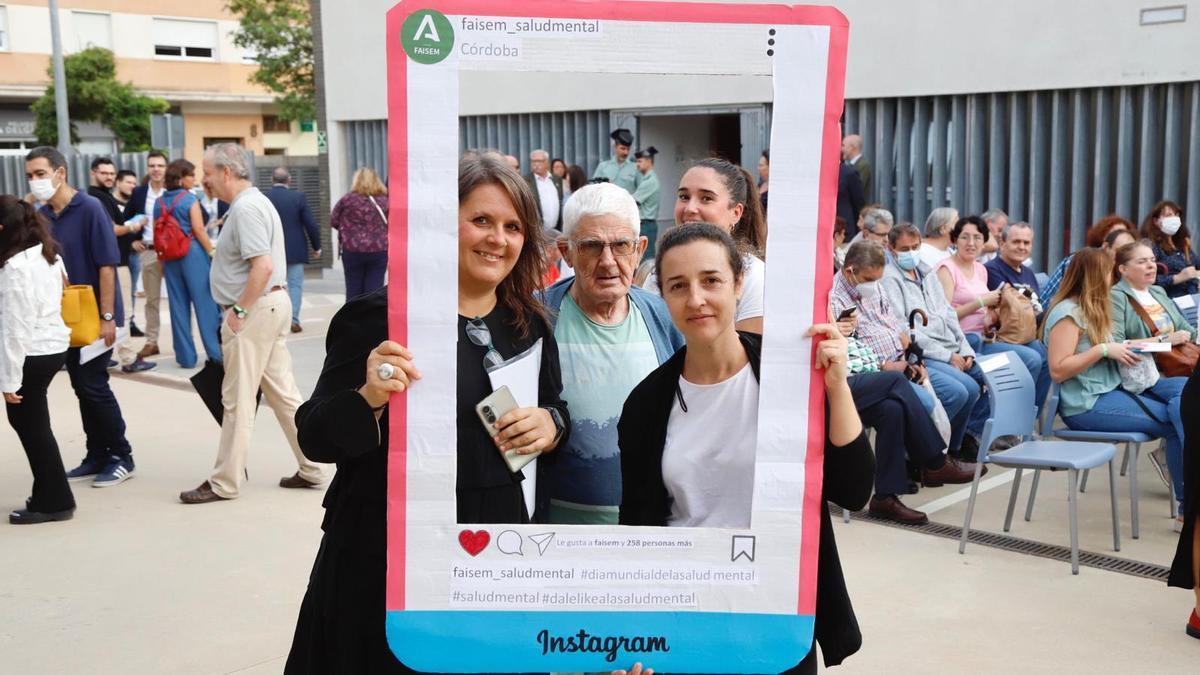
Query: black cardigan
{"points": [[849, 475]]}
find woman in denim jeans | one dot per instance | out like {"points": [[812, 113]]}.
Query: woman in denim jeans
{"points": [[1084, 358]]}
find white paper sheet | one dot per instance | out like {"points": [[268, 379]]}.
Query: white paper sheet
{"points": [[521, 375], [98, 347]]}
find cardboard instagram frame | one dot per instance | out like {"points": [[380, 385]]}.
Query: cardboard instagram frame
{"points": [[539, 598]]}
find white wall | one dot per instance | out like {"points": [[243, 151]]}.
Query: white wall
{"points": [[897, 48]]}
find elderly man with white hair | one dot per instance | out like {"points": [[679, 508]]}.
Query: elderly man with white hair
{"points": [[610, 335], [249, 282]]}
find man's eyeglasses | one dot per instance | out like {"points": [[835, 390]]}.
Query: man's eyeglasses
{"points": [[594, 248], [480, 336]]}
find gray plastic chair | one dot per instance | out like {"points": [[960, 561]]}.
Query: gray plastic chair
{"points": [[1133, 441], [1013, 413]]}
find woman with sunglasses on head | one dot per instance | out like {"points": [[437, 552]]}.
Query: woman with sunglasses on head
{"points": [[719, 192], [500, 266], [688, 432]]}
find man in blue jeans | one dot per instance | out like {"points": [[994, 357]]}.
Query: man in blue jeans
{"points": [[84, 230], [299, 233], [957, 380]]}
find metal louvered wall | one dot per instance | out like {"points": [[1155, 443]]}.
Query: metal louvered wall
{"points": [[79, 170], [366, 145], [578, 137], [1058, 159]]}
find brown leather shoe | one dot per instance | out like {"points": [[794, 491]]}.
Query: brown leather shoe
{"points": [[150, 349], [201, 495], [953, 471], [295, 481], [891, 508], [296, 327]]}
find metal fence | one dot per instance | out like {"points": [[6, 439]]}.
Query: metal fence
{"points": [[578, 137], [79, 166], [1058, 159]]}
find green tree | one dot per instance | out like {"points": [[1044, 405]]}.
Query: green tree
{"points": [[279, 33], [95, 95]]}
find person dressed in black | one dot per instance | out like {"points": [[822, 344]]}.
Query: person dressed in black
{"points": [[1185, 571], [688, 432], [341, 624], [33, 348]]}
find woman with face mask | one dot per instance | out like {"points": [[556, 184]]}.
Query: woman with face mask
{"points": [[1172, 246], [719, 192]]}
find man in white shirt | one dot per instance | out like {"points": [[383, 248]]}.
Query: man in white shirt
{"points": [[141, 204], [547, 187]]}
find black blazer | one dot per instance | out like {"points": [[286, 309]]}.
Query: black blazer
{"points": [[537, 199], [849, 475], [137, 202], [850, 198]]}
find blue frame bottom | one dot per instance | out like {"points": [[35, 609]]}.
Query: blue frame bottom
{"points": [[522, 642]]}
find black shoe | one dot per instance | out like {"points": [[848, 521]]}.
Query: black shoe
{"points": [[27, 517], [134, 331]]}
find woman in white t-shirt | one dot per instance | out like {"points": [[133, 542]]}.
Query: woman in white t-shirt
{"points": [[688, 431], [33, 348], [722, 193]]}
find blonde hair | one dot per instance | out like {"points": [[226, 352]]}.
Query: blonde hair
{"points": [[1087, 281], [366, 182]]}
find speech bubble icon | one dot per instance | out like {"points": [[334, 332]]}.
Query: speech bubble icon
{"points": [[509, 542]]}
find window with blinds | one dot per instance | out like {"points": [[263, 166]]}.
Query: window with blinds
{"points": [[184, 39]]}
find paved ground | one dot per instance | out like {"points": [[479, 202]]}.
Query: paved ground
{"points": [[138, 583]]}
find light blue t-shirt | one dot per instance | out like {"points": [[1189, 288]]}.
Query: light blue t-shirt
{"points": [[600, 366], [1078, 394]]}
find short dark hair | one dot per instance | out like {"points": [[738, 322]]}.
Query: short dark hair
{"points": [[48, 153], [125, 172], [689, 232], [101, 161], [156, 153], [176, 171], [902, 230], [970, 220]]}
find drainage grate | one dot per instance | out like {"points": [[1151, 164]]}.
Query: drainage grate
{"points": [[1006, 542]]}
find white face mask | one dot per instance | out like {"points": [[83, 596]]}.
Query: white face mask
{"points": [[43, 188], [1169, 225], [868, 289]]}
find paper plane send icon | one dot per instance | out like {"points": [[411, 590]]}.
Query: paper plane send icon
{"points": [[542, 540]]}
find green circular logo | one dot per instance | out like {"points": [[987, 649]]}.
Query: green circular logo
{"points": [[427, 36]]}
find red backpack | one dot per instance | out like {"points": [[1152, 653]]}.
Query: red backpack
{"points": [[170, 241]]}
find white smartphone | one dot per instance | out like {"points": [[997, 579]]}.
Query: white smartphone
{"points": [[498, 404]]}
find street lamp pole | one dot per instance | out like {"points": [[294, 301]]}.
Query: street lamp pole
{"points": [[60, 83]]}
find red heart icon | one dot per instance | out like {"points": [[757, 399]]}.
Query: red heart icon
{"points": [[474, 542]]}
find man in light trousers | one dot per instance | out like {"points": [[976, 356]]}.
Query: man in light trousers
{"points": [[249, 281]]}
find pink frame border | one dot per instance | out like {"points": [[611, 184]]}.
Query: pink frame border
{"points": [[398, 224]]}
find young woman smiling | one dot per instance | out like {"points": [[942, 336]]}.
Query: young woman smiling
{"points": [[688, 432], [500, 266], [721, 193]]}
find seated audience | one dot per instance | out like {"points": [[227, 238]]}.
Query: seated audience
{"points": [[910, 285], [1172, 245], [936, 246], [1086, 347]]}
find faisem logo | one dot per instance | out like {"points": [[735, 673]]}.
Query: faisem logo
{"points": [[427, 36]]}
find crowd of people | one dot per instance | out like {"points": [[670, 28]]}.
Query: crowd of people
{"points": [[648, 393]]}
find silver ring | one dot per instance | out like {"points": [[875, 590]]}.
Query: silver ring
{"points": [[385, 371]]}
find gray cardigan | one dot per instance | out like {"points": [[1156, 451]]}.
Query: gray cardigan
{"points": [[1127, 325], [943, 337]]}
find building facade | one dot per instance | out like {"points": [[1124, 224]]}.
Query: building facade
{"points": [[1056, 112], [184, 54]]}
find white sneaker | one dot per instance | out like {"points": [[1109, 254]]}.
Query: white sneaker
{"points": [[1158, 460]]}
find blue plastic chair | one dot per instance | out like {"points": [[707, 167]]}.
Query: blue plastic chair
{"points": [[1013, 413], [1132, 440], [1189, 313]]}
